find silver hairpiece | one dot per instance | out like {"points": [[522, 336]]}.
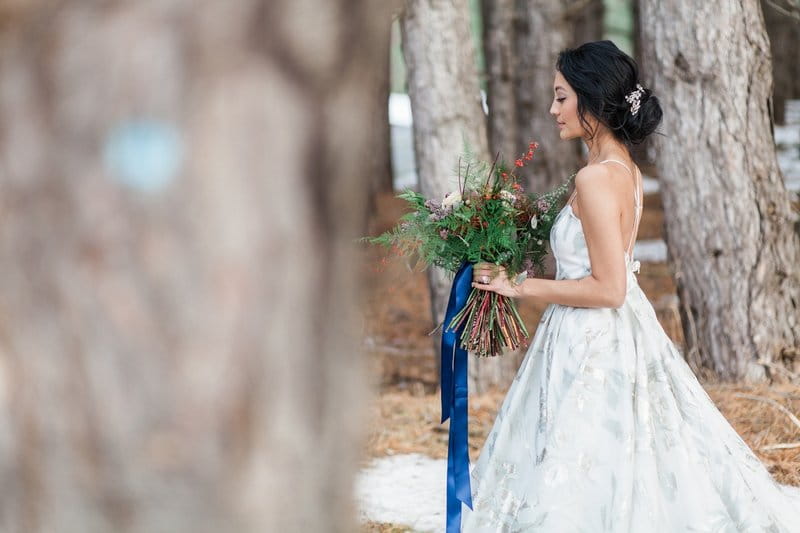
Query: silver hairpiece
{"points": [[633, 98]]}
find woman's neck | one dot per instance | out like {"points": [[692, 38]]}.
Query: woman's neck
{"points": [[604, 146]]}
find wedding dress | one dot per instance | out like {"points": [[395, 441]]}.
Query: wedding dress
{"points": [[605, 428]]}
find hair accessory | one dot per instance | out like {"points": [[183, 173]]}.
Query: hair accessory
{"points": [[633, 98]]}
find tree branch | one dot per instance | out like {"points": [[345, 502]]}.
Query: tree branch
{"points": [[772, 402]]}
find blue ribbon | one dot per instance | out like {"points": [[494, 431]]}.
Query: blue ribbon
{"points": [[454, 402]]}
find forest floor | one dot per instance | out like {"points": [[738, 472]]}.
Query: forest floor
{"points": [[405, 411]]}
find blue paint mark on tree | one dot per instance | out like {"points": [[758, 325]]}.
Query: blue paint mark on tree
{"points": [[144, 154]]}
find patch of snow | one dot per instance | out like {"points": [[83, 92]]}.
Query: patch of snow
{"points": [[649, 185], [407, 489], [652, 250], [787, 135], [400, 110]]}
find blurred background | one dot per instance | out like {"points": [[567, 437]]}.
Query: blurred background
{"points": [[192, 340]]}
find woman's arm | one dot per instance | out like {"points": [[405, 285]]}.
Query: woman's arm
{"points": [[598, 199]]}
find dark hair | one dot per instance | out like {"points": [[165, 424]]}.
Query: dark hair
{"points": [[602, 75]]}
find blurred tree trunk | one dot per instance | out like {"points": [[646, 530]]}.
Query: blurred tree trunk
{"points": [[644, 153], [522, 39], [784, 37], [587, 16], [382, 179], [182, 182], [446, 106], [499, 23], [730, 235], [637, 38], [544, 29]]}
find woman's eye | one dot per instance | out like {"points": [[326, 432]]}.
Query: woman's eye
{"points": [[560, 99]]}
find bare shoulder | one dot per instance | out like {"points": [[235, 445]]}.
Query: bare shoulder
{"points": [[595, 180]]}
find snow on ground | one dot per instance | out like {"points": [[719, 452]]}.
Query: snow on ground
{"points": [[409, 489], [652, 250]]}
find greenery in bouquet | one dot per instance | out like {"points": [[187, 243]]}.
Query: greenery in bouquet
{"points": [[488, 218]]}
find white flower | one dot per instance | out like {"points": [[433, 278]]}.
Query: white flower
{"points": [[508, 196], [451, 199], [539, 242], [534, 222]]}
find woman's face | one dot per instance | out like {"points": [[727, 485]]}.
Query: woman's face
{"points": [[565, 109]]}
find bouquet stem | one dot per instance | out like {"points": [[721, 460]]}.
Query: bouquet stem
{"points": [[492, 324]]}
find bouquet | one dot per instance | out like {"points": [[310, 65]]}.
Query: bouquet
{"points": [[489, 218]]}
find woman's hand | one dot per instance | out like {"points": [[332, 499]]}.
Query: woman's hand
{"points": [[491, 277]]}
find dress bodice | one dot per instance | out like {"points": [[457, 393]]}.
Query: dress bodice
{"points": [[569, 248]]}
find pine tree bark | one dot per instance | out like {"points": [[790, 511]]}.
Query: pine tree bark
{"points": [[182, 184], [730, 225], [446, 106]]}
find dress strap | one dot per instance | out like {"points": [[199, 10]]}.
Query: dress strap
{"points": [[637, 210], [637, 205], [617, 161]]}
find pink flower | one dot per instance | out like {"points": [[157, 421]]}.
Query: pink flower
{"points": [[542, 205]]}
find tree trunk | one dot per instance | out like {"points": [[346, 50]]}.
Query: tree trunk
{"points": [[637, 37], [544, 29], [784, 37], [501, 70], [182, 182], [522, 39], [730, 225], [381, 176], [644, 153], [587, 21], [446, 106]]}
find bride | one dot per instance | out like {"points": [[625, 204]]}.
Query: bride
{"points": [[605, 428]]}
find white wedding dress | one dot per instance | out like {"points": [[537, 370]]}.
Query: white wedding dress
{"points": [[605, 428]]}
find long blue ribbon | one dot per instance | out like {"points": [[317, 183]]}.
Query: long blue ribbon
{"points": [[454, 401]]}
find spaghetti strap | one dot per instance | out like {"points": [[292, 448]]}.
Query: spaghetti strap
{"points": [[617, 161], [637, 210], [637, 206]]}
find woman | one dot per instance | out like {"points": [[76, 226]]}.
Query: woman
{"points": [[605, 428]]}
